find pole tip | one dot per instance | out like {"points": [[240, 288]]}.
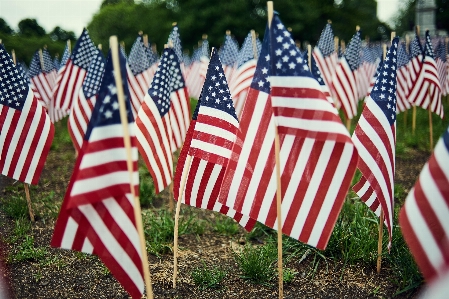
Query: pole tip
{"points": [[174, 24], [204, 36], [289, 29], [329, 21], [228, 32], [99, 47], [357, 28]]}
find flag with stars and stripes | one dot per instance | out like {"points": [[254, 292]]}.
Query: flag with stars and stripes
{"points": [[228, 55], [317, 156], [138, 76], [65, 57], [417, 93], [154, 133], [319, 77], [193, 79], [403, 77], [375, 139], [82, 108], [325, 56], [71, 77], [441, 60], [366, 72], [432, 100], [175, 40], [180, 103], [345, 79], [97, 214], [243, 76], [49, 68], [56, 63], [40, 81], [208, 145], [424, 218], [26, 132]]}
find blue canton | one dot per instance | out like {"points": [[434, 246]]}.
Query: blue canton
{"points": [[22, 71], [65, 56], [13, 85], [263, 69], [352, 53], [176, 41], [415, 47], [160, 87], [35, 65], [246, 52], [186, 59], [83, 51], [428, 50], [47, 61], [92, 82], [205, 48], [402, 56], [138, 60], [215, 92], [106, 111], [177, 80], [229, 51], [441, 53], [56, 64], [326, 41], [285, 58], [368, 56], [384, 90]]}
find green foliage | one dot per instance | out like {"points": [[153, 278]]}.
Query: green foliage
{"points": [[226, 226], [21, 229], [259, 231], [146, 192], [257, 263], [59, 34], [4, 27], [288, 275], [15, 207], [208, 277], [30, 27], [26, 251]]}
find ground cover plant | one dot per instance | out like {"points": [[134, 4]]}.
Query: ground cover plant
{"points": [[217, 258]]}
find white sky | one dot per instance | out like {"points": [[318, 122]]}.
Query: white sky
{"points": [[75, 14]]}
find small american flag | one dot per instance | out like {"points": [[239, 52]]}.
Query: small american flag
{"points": [[26, 132], [209, 143], [417, 92], [175, 39], [40, 81], [345, 80], [424, 218], [71, 78], [194, 81], [403, 76], [325, 56], [243, 76], [97, 215], [442, 66], [317, 157], [154, 132], [82, 108], [65, 57], [228, 56], [375, 139], [319, 77], [366, 72]]}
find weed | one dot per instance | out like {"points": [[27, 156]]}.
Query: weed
{"points": [[54, 261], [288, 275], [26, 251], [146, 193], [208, 277], [16, 207], [226, 226], [259, 232], [21, 228], [257, 263]]}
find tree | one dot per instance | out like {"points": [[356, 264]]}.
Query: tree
{"points": [[4, 27], [30, 27], [60, 34]]}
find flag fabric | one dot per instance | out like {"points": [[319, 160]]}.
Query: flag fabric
{"points": [[345, 79], [97, 214], [375, 139], [40, 81], [65, 57], [418, 89], [442, 66], [71, 77], [243, 76], [326, 57], [138, 75], [154, 132], [317, 157], [175, 39], [424, 218], [366, 72], [180, 103], [319, 77], [82, 108], [193, 79], [23, 71], [402, 78], [56, 63], [228, 56], [49, 68], [26, 132], [210, 139], [431, 80]]}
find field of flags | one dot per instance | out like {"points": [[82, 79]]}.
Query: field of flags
{"points": [[265, 143]]}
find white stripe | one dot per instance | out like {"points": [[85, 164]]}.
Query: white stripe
{"points": [[70, 231], [111, 244], [293, 82], [101, 182], [112, 155], [214, 130], [212, 112], [87, 246], [441, 154], [197, 181], [211, 148], [313, 125]]}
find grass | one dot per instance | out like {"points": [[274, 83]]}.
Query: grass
{"points": [[21, 229], [208, 277], [26, 251], [15, 207], [226, 226]]}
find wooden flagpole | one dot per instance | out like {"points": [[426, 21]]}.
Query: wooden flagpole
{"points": [[278, 190], [113, 43], [27, 190], [69, 46], [253, 38], [414, 107], [430, 129], [407, 43], [178, 209], [309, 56]]}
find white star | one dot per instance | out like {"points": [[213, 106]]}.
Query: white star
{"points": [[267, 58], [115, 105], [108, 114], [278, 52], [279, 39], [112, 89], [292, 65], [213, 78], [278, 65], [260, 83], [264, 70], [285, 58]]}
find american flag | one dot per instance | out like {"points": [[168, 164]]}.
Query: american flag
{"points": [[56, 63], [243, 76], [175, 39], [97, 215], [319, 77], [193, 79], [366, 72], [424, 218], [431, 80], [317, 157], [40, 81], [138, 76], [325, 56], [82, 108], [180, 103], [154, 132], [375, 139], [442, 66], [153, 58], [417, 91], [345, 80], [49, 68], [228, 56], [65, 57], [26, 132], [208, 144], [403, 75], [23, 71], [71, 77]]}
